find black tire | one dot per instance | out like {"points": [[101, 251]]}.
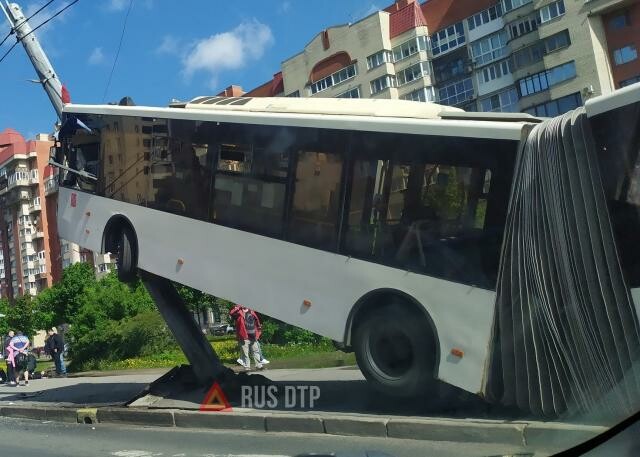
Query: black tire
{"points": [[396, 351], [126, 254]]}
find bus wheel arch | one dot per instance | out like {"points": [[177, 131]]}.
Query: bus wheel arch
{"points": [[395, 340], [120, 238]]}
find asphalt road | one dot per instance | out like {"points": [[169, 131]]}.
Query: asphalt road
{"points": [[27, 438]]}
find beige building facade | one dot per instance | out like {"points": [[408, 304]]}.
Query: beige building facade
{"points": [[543, 57]]}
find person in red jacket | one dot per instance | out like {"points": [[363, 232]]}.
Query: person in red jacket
{"points": [[248, 331]]}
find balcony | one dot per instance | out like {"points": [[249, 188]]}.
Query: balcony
{"points": [[38, 234], [35, 205], [51, 185], [19, 178], [34, 177]]}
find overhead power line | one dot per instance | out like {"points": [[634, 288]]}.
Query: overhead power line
{"points": [[115, 59], [44, 23], [26, 20]]}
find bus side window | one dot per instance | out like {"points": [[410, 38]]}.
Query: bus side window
{"points": [[250, 178], [425, 217], [316, 199]]}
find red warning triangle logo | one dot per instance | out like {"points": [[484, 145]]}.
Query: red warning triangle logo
{"points": [[215, 400]]}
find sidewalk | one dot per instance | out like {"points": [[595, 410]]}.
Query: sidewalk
{"points": [[347, 406]]}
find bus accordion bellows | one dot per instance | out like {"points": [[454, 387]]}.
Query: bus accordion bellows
{"points": [[495, 252]]}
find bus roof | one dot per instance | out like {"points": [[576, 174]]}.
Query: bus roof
{"points": [[617, 99], [380, 115]]}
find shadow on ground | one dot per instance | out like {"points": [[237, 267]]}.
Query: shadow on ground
{"points": [[344, 396], [81, 394]]}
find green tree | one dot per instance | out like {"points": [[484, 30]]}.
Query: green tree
{"points": [[24, 314], [64, 299]]}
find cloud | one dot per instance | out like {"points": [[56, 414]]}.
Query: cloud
{"points": [[284, 7], [227, 50], [96, 57], [121, 5], [169, 45], [117, 5], [46, 13]]}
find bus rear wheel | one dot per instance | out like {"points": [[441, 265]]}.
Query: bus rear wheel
{"points": [[395, 351], [126, 254]]}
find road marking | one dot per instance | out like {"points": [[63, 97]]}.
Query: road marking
{"points": [[135, 453]]}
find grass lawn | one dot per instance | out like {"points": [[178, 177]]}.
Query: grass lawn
{"points": [[289, 356]]}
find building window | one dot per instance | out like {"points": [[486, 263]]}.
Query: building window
{"points": [[536, 52], [382, 83], [448, 70], [489, 48], [413, 73], [409, 48], [379, 58], [620, 21], [505, 101], [508, 5], [352, 93], [551, 11], [628, 82], [557, 41], [495, 71], [294, 94], [456, 93], [424, 94], [625, 54], [523, 26], [556, 107], [545, 79], [447, 39], [334, 79], [484, 17]]}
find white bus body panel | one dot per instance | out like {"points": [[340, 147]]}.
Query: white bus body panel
{"points": [[275, 277]]}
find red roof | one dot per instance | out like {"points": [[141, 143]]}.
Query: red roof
{"points": [[11, 142], [443, 13], [330, 65], [271, 88], [405, 18]]}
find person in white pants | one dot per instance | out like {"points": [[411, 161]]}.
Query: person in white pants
{"points": [[248, 330]]}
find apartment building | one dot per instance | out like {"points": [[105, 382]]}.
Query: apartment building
{"points": [[543, 57], [31, 254], [24, 226]]}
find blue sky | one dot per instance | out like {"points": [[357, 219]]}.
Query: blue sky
{"points": [[172, 49]]}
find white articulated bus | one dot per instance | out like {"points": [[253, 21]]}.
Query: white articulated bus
{"points": [[376, 223]]}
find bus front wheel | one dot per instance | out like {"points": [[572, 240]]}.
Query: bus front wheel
{"points": [[125, 254], [395, 350]]}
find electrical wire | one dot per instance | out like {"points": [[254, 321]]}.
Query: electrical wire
{"points": [[33, 30], [12, 31], [115, 60]]}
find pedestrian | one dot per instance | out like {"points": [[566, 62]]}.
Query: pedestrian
{"points": [[7, 352], [248, 331], [20, 346], [57, 351]]}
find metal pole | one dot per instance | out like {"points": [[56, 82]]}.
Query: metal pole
{"points": [[46, 74]]}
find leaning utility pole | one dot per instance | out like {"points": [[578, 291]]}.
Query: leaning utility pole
{"points": [[46, 74]]}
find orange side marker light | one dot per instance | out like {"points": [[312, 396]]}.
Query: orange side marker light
{"points": [[306, 303], [457, 352]]}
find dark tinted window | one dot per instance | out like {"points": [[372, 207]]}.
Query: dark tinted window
{"points": [[250, 183], [620, 168], [420, 203], [317, 193]]}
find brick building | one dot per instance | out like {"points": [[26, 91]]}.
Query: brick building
{"points": [[543, 57]]}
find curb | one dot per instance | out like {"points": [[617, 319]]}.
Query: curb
{"points": [[522, 434]]}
